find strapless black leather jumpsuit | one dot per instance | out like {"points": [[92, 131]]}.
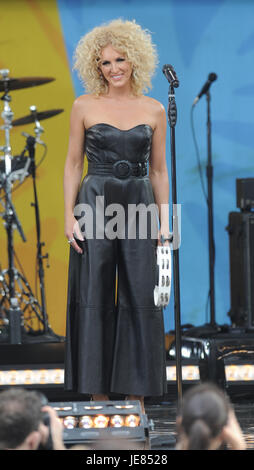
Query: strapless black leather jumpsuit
{"points": [[115, 334]]}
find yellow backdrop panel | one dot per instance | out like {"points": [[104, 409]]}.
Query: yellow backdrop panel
{"points": [[32, 45]]}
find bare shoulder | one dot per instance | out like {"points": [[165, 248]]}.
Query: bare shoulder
{"points": [[82, 101], [155, 109], [154, 105], [82, 107]]}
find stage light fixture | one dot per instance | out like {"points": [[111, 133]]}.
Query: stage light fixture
{"points": [[190, 373], [101, 421], [43, 376], [86, 422], [132, 421], [25, 377], [239, 373], [69, 422], [126, 407], [63, 408], [93, 407], [119, 421]]}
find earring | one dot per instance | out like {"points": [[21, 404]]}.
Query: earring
{"points": [[101, 77], [134, 73]]}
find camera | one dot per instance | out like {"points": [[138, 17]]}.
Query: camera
{"points": [[48, 445]]}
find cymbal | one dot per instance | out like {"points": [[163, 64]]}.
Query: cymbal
{"points": [[9, 83], [38, 116]]}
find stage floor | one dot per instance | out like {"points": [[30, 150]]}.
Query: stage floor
{"points": [[163, 416]]}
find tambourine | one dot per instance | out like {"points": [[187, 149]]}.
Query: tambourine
{"points": [[162, 290]]}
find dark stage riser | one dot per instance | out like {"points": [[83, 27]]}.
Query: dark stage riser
{"points": [[211, 352]]}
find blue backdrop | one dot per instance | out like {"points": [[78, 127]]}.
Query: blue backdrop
{"points": [[197, 37]]}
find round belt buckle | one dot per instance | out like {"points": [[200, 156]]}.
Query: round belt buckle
{"points": [[122, 169]]}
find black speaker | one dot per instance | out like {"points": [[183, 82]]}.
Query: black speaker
{"points": [[241, 248], [245, 193]]}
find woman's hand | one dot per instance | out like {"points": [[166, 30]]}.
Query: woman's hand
{"points": [[163, 234], [72, 230]]}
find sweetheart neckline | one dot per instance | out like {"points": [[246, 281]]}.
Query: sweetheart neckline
{"points": [[114, 127]]}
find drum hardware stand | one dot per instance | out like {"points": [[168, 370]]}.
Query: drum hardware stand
{"points": [[10, 217], [7, 116], [15, 313], [11, 221], [172, 118]]}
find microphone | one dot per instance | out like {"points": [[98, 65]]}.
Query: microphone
{"points": [[170, 75], [211, 78]]}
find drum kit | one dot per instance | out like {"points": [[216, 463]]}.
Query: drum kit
{"points": [[20, 311]]}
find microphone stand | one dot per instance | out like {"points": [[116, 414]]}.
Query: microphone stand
{"points": [[210, 327], [172, 117], [31, 149], [209, 173]]}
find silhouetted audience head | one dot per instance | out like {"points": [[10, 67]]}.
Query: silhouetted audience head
{"points": [[206, 420], [26, 423], [20, 418]]}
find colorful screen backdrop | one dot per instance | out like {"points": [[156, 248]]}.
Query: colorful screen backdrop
{"points": [[197, 37]]}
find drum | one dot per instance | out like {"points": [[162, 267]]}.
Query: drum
{"points": [[20, 168]]}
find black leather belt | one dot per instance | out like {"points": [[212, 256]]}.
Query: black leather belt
{"points": [[121, 169]]}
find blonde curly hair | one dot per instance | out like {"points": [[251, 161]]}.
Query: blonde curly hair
{"points": [[129, 39]]}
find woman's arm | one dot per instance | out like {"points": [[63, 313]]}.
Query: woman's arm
{"points": [[73, 170], [158, 171]]}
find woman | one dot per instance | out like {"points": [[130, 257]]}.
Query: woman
{"points": [[207, 421], [115, 344]]}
